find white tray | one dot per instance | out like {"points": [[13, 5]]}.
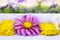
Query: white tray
{"points": [[41, 17]]}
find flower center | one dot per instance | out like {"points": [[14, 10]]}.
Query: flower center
{"points": [[27, 24]]}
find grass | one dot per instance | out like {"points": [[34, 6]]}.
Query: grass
{"points": [[37, 9]]}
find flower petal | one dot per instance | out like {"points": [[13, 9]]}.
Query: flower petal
{"points": [[27, 18], [23, 32], [30, 18], [17, 31], [34, 20], [23, 18], [32, 32], [35, 24], [36, 30], [28, 32], [18, 27], [18, 21]]}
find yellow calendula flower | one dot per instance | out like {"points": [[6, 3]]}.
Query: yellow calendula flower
{"points": [[59, 26], [48, 29], [6, 28]]}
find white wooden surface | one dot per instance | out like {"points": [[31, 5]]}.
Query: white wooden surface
{"points": [[42, 17]]}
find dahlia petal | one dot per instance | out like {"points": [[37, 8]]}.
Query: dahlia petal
{"points": [[35, 20], [18, 31], [35, 24], [15, 31], [18, 27], [36, 29], [32, 32], [23, 32], [18, 24], [28, 32], [18, 21], [27, 18], [30, 18], [23, 19]]}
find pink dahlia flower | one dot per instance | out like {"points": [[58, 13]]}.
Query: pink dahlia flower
{"points": [[27, 26]]}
